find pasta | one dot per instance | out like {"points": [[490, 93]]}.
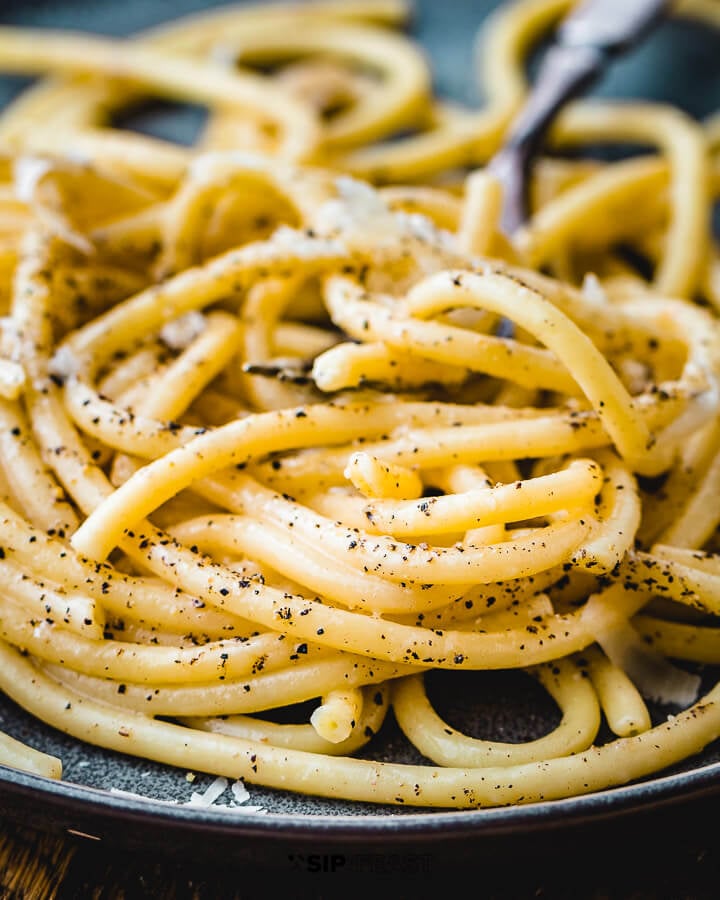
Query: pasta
{"points": [[288, 422]]}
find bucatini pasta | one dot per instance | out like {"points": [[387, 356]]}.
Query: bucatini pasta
{"points": [[285, 418]]}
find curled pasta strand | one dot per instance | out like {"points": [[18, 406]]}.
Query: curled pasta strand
{"points": [[137, 734], [622, 704], [266, 442], [351, 631], [446, 746], [143, 663], [682, 140], [259, 691], [365, 319], [32, 52], [337, 714], [529, 309], [569, 489], [679, 640], [303, 737], [394, 103], [27, 759], [49, 604], [323, 573]]}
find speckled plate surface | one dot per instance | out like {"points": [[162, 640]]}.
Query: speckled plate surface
{"points": [[679, 64], [91, 800]]}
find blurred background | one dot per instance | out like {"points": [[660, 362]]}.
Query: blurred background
{"points": [[678, 64]]}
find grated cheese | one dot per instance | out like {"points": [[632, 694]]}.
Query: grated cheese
{"points": [[204, 799]]}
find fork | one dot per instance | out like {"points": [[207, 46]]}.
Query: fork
{"points": [[591, 36], [585, 43]]}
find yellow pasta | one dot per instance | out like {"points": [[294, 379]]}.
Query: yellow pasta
{"points": [[268, 445]]}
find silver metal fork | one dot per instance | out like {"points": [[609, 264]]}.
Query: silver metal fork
{"points": [[585, 43]]}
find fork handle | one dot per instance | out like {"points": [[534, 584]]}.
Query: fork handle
{"points": [[586, 42], [565, 72]]}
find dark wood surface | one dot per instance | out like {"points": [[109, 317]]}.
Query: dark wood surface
{"points": [[678, 860]]}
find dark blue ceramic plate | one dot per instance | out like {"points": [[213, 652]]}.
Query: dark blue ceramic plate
{"points": [[680, 64]]}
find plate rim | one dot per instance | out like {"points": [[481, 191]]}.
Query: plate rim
{"points": [[108, 808]]}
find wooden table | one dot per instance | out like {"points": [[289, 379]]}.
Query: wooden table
{"points": [[42, 866], [676, 858]]}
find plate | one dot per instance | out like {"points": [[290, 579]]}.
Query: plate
{"points": [[129, 802], [95, 798]]}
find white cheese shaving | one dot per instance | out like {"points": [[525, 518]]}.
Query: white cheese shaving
{"points": [[356, 212], [28, 171], [64, 363], [210, 795], [203, 167], [635, 375], [593, 290], [426, 230], [298, 244], [656, 678], [12, 379], [204, 799], [215, 790], [181, 332], [135, 796], [224, 55], [239, 791]]}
